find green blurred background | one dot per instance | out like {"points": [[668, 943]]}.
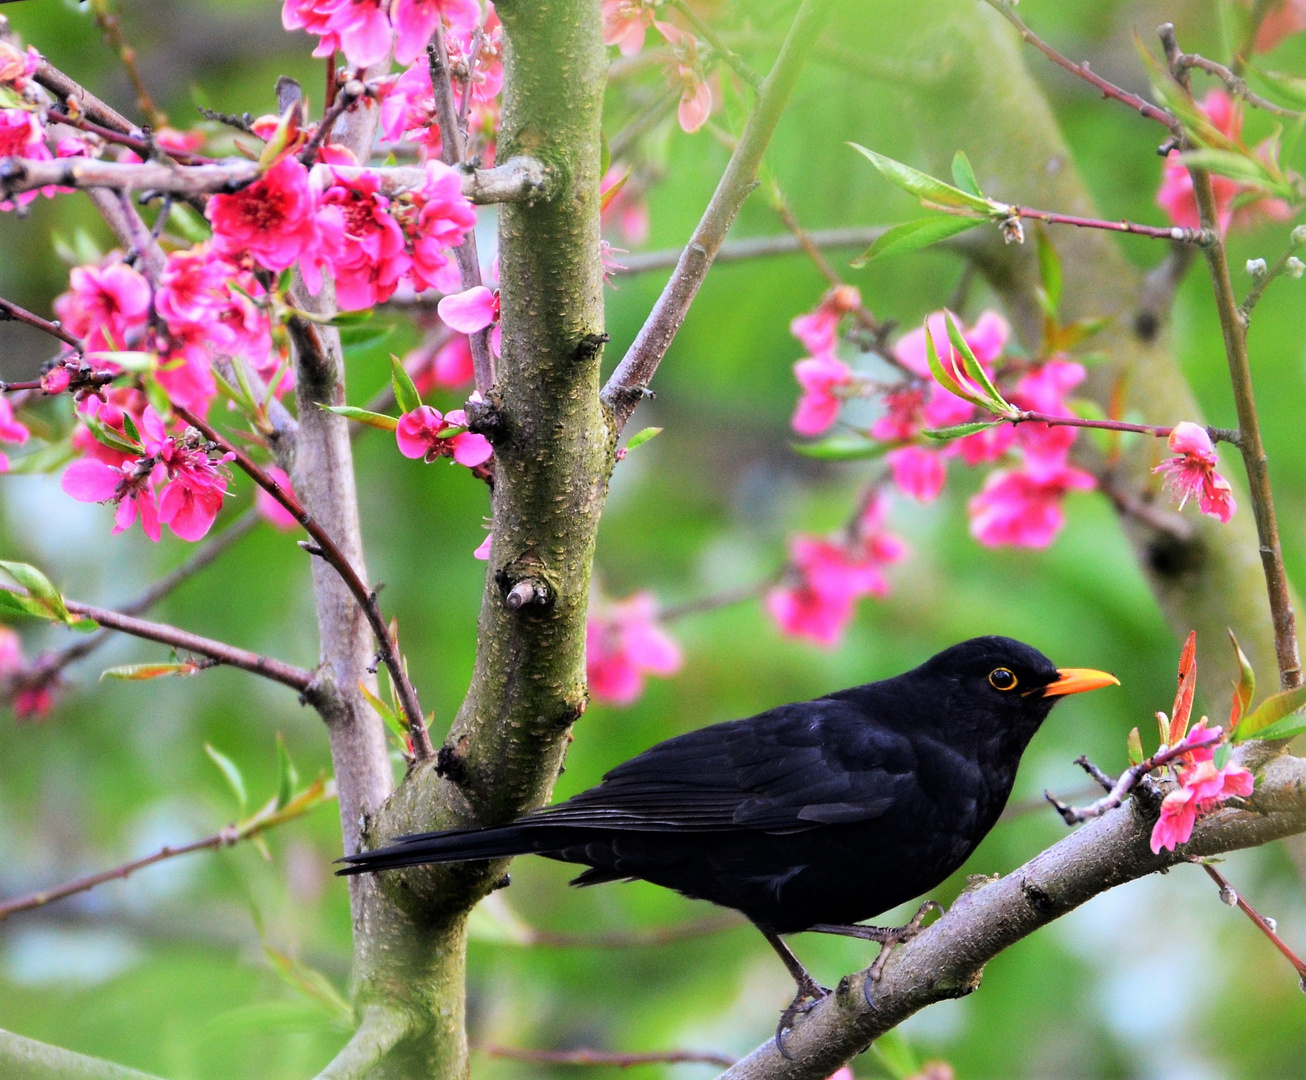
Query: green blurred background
{"points": [[167, 971]]}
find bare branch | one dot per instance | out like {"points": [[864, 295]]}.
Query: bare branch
{"points": [[276, 670], [610, 1058], [380, 1032], [624, 389], [1235, 85], [756, 247], [1264, 925], [268, 818], [27, 1059], [11, 312]]}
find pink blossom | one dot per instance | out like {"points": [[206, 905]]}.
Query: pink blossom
{"points": [[1022, 508], [821, 377], [1284, 20], [16, 66], [818, 329], [685, 71], [57, 379], [414, 22], [445, 217], [449, 368], [131, 487], [408, 109], [627, 206], [827, 578], [482, 551], [314, 16], [987, 338], [193, 286], [105, 306], [1201, 788], [268, 508], [193, 496], [1175, 195], [364, 30], [11, 431], [362, 243], [918, 472], [21, 135], [469, 311], [625, 23], [902, 418], [987, 445], [623, 643], [1044, 390], [272, 219], [422, 433], [1191, 474]]}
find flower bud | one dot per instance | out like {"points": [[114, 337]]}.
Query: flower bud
{"points": [[1298, 235], [1228, 896], [1294, 267], [1256, 267]]}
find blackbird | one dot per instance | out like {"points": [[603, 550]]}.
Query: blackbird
{"points": [[812, 816]]}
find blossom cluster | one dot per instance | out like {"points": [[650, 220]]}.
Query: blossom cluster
{"points": [[626, 24], [1202, 786], [623, 644], [369, 31]]}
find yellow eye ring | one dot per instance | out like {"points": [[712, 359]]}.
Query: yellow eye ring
{"points": [[1003, 679]]}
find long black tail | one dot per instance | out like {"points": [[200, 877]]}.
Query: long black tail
{"points": [[457, 845]]}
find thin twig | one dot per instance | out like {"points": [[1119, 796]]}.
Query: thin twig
{"points": [[1132, 776], [1240, 378], [326, 548], [625, 388], [66, 88], [276, 670], [452, 152], [233, 834], [1131, 505], [111, 27], [1235, 85], [1200, 237], [716, 601], [1262, 924], [345, 97], [756, 247], [1105, 87], [1261, 283], [612, 1059], [1158, 431], [660, 106], [11, 312]]}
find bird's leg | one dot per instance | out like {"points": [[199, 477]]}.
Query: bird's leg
{"points": [[809, 990], [888, 937]]}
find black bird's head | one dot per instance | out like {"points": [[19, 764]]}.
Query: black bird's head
{"points": [[1002, 686]]}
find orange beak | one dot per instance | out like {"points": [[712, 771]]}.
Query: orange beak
{"points": [[1075, 680]]}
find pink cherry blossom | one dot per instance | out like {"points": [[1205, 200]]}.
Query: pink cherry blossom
{"points": [[627, 207], [11, 431], [1191, 474], [902, 417], [1044, 390], [1023, 509], [818, 329], [16, 66], [445, 217], [987, 445], [625, 23], [422, 434], [106, 306], [21, 135], [193, 496], [1175, 195], [362, 243], [363, 26], [1284, 20], [469, 311], [1202, 787], [821, 378], [273, 219], [918, 472], [414, 23], [987, 338], [448, 369], [268, 508], [482, 551], [623, 644], [192, 287], [315, 17], [826, 578], [685, 72]]}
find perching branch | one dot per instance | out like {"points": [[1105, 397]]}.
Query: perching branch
{"points": [[627, 384], [276, 670], [257, 824], [947, 959], [381, 1030], [27, 1059]]}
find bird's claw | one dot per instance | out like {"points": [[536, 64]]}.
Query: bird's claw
{"points": [[804, 1001], [890, 938]]}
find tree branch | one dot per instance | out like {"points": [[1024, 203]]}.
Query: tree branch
{"points": [[626, 386], [27, 1059], [276, 670], [609, 1058], [948, 958], [380, 1032], [268, 818]]}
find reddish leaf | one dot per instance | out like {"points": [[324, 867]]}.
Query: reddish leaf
{"points": [[1183, 699]]}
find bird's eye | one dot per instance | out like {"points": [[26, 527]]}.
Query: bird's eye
{"points": [[1002, 679]]}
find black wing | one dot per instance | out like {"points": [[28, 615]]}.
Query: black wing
{"points": [[793, 768]]}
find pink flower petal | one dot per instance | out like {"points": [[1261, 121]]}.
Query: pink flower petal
{"points": [[470, 311]]}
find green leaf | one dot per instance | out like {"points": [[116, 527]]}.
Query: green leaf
{"points": [[1287, 728], [351, 318], [313, 985], [964, 176], [372, 419], [641, 437], [914, 235], [287, 777], [974, 369], [40, 588], [1245, 688], [405, 392], [1270, 711], [128, 359], [12, 603], [896, 1055], [959, 431], [1244, 168], [129, 426], [928, 189], [1049, 269], [357, 338], [842, 448], [1134, 745], [1223, 752], [187, 223], [234, 780], [387, 714], [944, 377], [140, 672], [106, 436]]}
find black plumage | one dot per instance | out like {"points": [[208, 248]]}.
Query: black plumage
{"points": [[817, 814]]}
